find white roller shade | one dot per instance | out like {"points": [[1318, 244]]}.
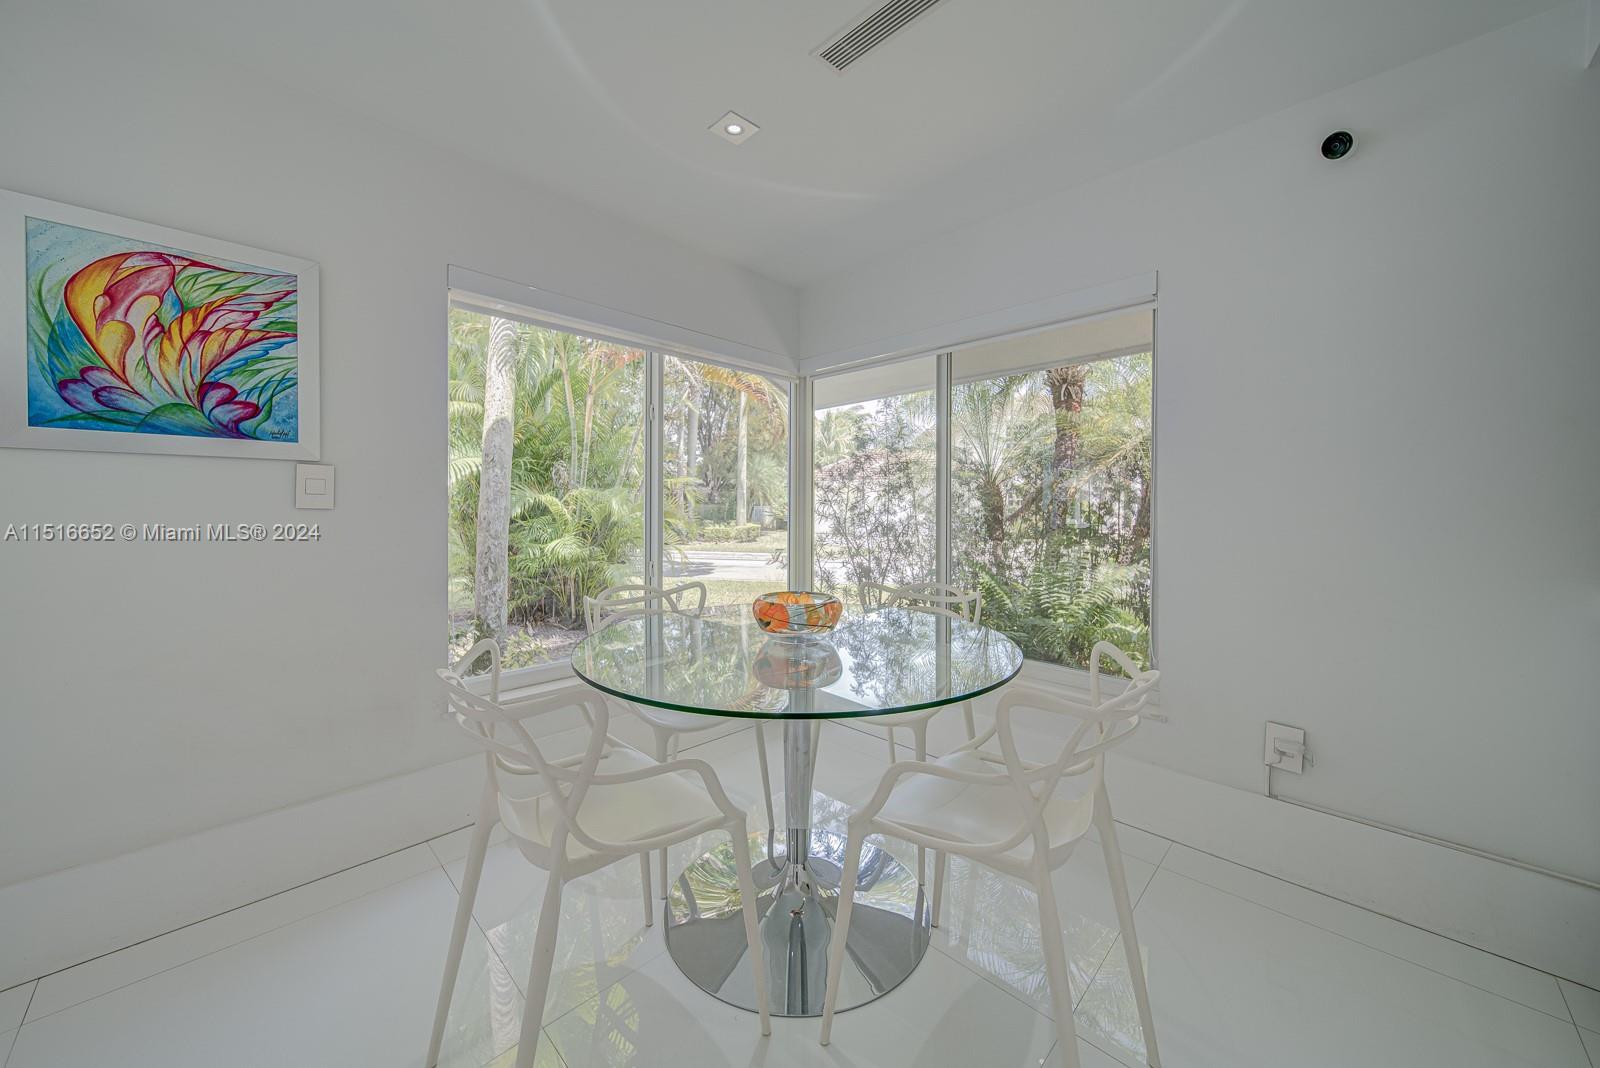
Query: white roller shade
{"points": [[1110, 335], [875, 380]]}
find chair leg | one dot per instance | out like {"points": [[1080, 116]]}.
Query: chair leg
{"points": [[664, 739], [841, 928], [644, 877], [544, 958], [893, 755], [972, 723], [1055, 962], [752, 932], [919, 734], [458, 932], [941, 861], [1130, 938], [766, 779]]}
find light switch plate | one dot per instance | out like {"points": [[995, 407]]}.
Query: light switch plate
{"points": [[313, 485]]}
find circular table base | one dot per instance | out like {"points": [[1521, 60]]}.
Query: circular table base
{"points": [[888, 926]]}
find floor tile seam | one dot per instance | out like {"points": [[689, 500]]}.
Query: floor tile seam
{"points": [[225, 912], [219, 949], [1366, 945]]}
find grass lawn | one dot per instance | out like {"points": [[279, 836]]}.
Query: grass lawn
{"points": [[729, 591], [769, 542]]}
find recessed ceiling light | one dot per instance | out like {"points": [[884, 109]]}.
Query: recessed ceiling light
{"points": [[735, 127]]}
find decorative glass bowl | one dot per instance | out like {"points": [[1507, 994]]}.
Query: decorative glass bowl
{"points": [[796, 612]]}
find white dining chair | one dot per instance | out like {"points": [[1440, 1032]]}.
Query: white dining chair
{"points": [[937, 598], [1003, 811], [634, 599], [606, 804]]}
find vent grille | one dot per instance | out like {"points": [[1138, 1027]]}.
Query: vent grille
{"points": [[851, 44]]}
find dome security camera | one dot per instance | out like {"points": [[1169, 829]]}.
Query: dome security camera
{"points": [[1338, 144]]}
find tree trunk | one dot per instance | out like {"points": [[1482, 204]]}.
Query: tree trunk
{"points": [[1141, 519], [494, 480], [992, 504], [691, 445], [1066, 398], [572, 418], [588, 427], [742, 491]]}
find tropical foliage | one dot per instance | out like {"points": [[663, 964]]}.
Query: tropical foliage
{"points": [[1051, 505], [1050, 508], [873, 497], [577, 473], [1050, 478]]}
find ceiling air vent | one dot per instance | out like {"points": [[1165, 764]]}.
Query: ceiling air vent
{"points": [[853, 42]]}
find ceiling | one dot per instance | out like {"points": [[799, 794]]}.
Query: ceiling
{"points": [[977, 105]]}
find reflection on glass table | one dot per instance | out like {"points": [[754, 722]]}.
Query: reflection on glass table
{"points": [[722, 664]]}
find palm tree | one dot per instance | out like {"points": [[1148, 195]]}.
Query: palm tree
{"points": [[697, 384], [574, 507], [489, 580], [1113, 431], [837, 434], [994, 424]]}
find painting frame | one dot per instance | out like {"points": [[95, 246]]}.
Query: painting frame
{"points": [[16, 347]]}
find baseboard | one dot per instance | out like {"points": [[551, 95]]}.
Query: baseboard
{"points": [[70, 916], [1534, 919], [67, 917]]}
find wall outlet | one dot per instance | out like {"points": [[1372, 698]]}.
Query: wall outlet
{"points": [[1285, 748]]}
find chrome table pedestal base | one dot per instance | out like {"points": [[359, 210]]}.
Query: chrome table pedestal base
{"points": [[797, 892]]}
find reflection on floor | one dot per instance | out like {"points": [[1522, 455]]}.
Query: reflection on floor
{"points": [[1245, 970]]}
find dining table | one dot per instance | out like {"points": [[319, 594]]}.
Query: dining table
{"points": [[722, 663]]}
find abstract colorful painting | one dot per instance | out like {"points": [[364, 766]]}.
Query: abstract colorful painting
{"points": [[142, 339]]}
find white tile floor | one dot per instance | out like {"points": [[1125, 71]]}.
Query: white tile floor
{"points": [[1245, 970]]}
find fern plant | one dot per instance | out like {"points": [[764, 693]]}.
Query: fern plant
{"points": [[1059, 610]]}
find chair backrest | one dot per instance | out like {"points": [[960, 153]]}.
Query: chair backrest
{"points": [[510, 750], [630, 599], [951, 600], [1102, 724]]}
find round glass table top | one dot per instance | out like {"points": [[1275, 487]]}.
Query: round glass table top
{"points": [[722, 664]]}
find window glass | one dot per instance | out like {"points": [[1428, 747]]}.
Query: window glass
{"points": [[874, 480], [555, 420], [726, 501], [1051, 486]]}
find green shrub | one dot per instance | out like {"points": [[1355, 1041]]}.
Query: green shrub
{"points": [[730, 532]]}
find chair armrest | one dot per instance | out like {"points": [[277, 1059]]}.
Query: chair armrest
{"points": [[708, 777], [897, 771]]}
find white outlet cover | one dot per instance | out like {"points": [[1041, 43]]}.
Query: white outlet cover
{"points": [[1295, 763], [313, 485]]}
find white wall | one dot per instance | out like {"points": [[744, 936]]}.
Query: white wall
{"points": [[1378, 469], [151, 691]]}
